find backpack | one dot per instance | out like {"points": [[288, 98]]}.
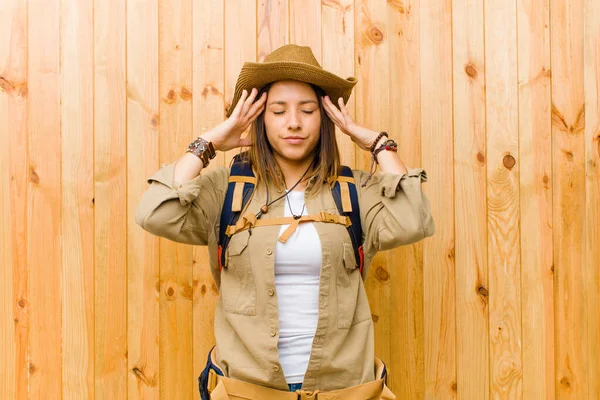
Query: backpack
{"points": [[242, 182]]}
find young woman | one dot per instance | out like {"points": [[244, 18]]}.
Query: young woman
{"points": [[292, 314]]}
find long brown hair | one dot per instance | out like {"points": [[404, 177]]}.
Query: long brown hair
{"points": [[325, 166]]}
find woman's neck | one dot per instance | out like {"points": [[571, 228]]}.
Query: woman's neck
{"points": [[293, 171]]}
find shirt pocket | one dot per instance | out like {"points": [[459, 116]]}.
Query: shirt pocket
{"points": [[238, 288], [353, 306]]}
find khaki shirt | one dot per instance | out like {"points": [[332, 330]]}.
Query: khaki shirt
{"points": [[394, 211]]}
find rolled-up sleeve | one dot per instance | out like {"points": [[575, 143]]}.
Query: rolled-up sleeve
{"points": [[183, 212], [394, 209]]}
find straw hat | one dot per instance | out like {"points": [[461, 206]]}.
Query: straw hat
{"points": [[291, 62]]}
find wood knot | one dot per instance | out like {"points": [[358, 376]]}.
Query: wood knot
{"points": [[382, 274], [33, 176], [509, 161], [568, 155], [141, 376], [480, 157], [176, 47], [6, 85], [482, 291], [454, 387], [451, 254], [21, 303], [471, 70], [32, 369], [375, 318], [545, 179], [154, 121], [203, 290], [375, 35], [565, 382], [186, 94], [170, 292], [23, 91], [170, 99]]}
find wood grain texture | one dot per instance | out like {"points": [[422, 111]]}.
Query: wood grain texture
{"points": [[406, 263], [535, 152], [470, 205], [338, 57], [569, 214], [77, 179], [591, 270], [110, 190], [44, 232], [305, 25], [506, 364], [143, 120], [438, 251], [14, 300], [208, 108], [372, 110], [175, 110], [240, 47], [272, 26]]}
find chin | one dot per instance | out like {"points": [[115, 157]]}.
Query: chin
{"points": [[296, 155]]}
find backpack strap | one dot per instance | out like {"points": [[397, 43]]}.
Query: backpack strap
{"points": [[239, 192], [345, 196]]}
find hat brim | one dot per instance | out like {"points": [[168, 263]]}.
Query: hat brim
{"points": [[258, 75]]}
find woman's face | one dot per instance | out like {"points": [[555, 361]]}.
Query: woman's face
{"points": [[292, 121]]}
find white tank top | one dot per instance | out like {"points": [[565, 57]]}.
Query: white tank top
{"points": [[297, 275]]}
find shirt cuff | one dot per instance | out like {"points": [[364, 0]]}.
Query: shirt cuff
{"points": [[187, 191], [390, 183]]}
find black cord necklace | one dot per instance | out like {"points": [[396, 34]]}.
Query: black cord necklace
{"points": [[265, 208], [292, 212]]}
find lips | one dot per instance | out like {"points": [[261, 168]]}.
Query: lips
{"points": [[294, 139]]}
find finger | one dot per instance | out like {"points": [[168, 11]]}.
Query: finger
{"points": [[334, 112], [252, 117], [258, 104], [343, 108], [240, 103], [249, 101]]}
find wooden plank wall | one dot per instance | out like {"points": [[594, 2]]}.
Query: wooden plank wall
{"points": [[498, 101]]}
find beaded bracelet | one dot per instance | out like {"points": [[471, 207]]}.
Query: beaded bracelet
{"points": [[382, 134], [390, 145]]}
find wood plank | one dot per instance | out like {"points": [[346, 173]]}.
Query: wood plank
{"points": [[406, 262], [535, 151], [569, 214], [472, 281], [44, 192], [372, 111], [438, 251], [142, 161], [14, 302], [77, 116], [305, 25], [591, 265], [337, 32], [208, 111], [175, 110], [240, 47], [273, 26], [506, 376], [110, 176]]}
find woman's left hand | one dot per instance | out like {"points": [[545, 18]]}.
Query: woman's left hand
{"points": [[362, 136]]}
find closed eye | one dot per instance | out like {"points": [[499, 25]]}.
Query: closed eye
{"points": [[304, 111]]}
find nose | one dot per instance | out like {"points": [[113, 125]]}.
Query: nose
{"points": [[294, 121]]}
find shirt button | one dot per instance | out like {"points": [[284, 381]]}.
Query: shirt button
{"points": [[275, 368], [273, 333], [271, 292], [269, 251]]}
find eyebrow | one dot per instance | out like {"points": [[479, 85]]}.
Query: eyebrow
{"points": [[301, 102]]}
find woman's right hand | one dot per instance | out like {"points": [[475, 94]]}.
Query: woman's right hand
{"points": [[227, 135]]}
